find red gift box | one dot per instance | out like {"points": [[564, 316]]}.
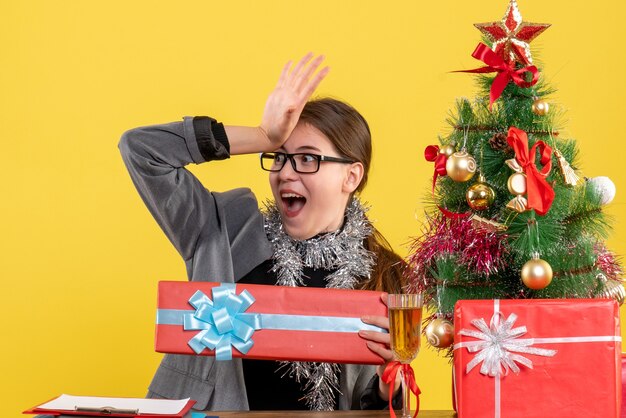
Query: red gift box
{"points": [[537, 358], [266, 322], [623, 413]]}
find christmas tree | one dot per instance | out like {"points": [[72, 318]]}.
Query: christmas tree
{"points": [[510, 217]]}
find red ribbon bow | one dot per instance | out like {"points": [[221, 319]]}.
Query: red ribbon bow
{"points": [[431, 153], [539, 191], [506, 71], [389, 377]]}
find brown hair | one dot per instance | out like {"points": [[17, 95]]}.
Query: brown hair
{"points": [[349, 132]]}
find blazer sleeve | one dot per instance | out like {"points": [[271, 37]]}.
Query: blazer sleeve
{"points": [[371, 400], [156, 156]]}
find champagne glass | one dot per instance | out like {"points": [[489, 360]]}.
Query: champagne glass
{"points": [[405, 323]]}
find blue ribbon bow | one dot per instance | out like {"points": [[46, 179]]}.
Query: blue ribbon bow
{"points": [[221, 321]]}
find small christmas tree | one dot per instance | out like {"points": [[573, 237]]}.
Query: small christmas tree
{"points": [[511, 217]]}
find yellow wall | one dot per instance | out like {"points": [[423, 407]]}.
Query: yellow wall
{"points": [[79, 254]]}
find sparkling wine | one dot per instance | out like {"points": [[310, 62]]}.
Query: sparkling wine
{"points": [[405, 330]]}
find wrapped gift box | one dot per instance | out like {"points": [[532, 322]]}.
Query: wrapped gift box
{"points": [[568, 353], [623, 413], [266, 322]]}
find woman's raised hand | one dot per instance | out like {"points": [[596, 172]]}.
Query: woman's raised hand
{"points": [[282, 109], [285, 103]]}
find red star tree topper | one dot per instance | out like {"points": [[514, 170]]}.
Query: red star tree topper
{"points": [[511, 36]]}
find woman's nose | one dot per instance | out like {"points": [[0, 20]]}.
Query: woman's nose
{"points": [[287, 172]]}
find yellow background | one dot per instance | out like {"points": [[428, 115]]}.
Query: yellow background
{"points": [[80, 255]]}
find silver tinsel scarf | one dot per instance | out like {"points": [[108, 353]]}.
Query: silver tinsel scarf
{"points": [[342, 251]]}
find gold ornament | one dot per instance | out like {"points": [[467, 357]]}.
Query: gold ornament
{"points": [[518, 204], [440, 333], [611, 289], [569, 175], [447, 150], [536, 274], [480, 195], [540, 107], [517, 183], [460, 166], [517, 186], [486, 225]]}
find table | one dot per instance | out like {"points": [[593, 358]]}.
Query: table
{"points": [[302, 414], [334, 414]]}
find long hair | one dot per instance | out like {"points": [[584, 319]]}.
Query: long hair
{"points": [[349, 132]]}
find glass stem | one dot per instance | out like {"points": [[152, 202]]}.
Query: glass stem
{"points": [[406, 397]]}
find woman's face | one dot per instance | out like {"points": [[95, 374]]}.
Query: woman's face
{"points": [[310, 204]]}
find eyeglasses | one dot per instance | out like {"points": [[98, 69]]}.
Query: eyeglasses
{"points": [[301, 162]]}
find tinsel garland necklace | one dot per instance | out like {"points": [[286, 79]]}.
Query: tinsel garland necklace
{"points": [[343, 253]]}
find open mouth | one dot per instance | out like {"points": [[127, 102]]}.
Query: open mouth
{"points": [[292, 203]]}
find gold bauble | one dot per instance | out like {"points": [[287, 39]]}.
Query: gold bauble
{"points": [[480, 195], [461, 166], [540, 107], [612, 289], [447, 150], [536, 274], [517, 184], [440, 333]]}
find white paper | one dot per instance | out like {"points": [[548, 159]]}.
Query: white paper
{"points": [[145, 406]]}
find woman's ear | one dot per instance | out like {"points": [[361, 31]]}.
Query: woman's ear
{"points": [[353, 177]]}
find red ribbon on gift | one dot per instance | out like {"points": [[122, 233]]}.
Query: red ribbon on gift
{"points": [[389, 377], [431, 153], [506, 71], [539, 191]]}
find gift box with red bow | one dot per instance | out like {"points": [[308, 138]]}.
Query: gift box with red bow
{"points": [[266, 322], [537, 358]]}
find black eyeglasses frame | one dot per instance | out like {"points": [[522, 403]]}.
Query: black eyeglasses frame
{"points": [[290, 157]]}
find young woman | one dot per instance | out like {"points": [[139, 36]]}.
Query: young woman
{"points": [[315, 234]]}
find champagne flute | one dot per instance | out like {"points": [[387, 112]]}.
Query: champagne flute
{"points": [[405, 323]]}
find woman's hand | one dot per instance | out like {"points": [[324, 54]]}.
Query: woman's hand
{"points": [[285, 103], [379, 342], [282, 109]]}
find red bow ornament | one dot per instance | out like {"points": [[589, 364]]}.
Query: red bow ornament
{"points": [[506, 71], [540, 193], [433, 153], [389, 377]]}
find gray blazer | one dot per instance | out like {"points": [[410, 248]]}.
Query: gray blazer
{"points": [[221, 238]]}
